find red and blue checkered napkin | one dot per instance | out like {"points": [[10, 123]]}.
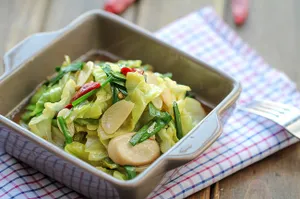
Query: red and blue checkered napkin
{"points": [[246, 138]]}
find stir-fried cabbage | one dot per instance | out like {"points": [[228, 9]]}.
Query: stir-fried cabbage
{"points": [[140, 93], [85, 73], [111, 114], [41, 125], [167, 137]]}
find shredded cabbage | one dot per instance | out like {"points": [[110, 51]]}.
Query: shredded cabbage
{"points": [[86, 128], [41, 125], [85, 73], [167, 137], [95, 148], [140, 93], [77, 149], [52, 94], [191, 113]]}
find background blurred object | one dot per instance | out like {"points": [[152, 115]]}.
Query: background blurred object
{"points": [[240, 11], [117, 6]]}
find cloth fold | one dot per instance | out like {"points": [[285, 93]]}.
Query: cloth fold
{"points": [[246, 138]]}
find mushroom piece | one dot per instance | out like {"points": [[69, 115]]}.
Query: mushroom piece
{"points": [[123, 153]]}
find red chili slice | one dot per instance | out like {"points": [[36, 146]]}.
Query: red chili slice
{"points": [[126, 70], [69, 106], [117, 6], [85, 89]]}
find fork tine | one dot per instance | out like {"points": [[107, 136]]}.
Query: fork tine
{"points": [[268, 110], [260, 106], [271, 107], [276, 105], [284, 115], [261, 113]]}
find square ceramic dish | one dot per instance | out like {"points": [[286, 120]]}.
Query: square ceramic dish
{"points": [[28, 64]]}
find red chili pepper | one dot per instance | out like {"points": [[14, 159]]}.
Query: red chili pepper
{"points": [[69, 106], [117, 6], [126, 70], [85, 89]]}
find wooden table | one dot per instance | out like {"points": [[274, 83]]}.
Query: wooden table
{"points": [[273, 29]]}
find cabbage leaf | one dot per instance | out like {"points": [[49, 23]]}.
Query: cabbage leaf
{"points": [[167, 137], [41, 125], [85, 73], [140, 93], [95, 148]]}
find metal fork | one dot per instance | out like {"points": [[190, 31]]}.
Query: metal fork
{"points": [[282, 114]]}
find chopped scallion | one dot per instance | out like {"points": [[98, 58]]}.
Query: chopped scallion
{"points": [[177, 120]]}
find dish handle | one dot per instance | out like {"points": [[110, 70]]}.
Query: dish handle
{"points": [[196, 141], [30, 46]]}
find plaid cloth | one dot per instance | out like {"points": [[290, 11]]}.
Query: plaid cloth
{"points": [[246, 138]]}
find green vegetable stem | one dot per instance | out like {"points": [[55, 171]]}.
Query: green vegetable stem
{"points": [[130, 171], [65, 131], [70, 68], [177, 120], [160, 120]]}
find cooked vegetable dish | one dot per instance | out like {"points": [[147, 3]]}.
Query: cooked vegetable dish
{"points": [[118, 117]]}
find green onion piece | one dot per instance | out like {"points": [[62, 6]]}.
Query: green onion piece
{"points": [[70, 68], [154, 112], [106, 68], [177, 120], [161, 119], [124, 92], [65, 131], [119, 76], [55, 79], [130, 171], [119, 83], [84, 97], [108, 80], [115, 94], [120, 87], [159, 124], [150, 129], [136, 137]]}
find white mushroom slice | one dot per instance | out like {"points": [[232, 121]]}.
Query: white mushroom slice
{"points": [[115, 116], [123, 153]]}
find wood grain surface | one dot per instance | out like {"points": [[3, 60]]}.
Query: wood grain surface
{"points": [[273, 29]]}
